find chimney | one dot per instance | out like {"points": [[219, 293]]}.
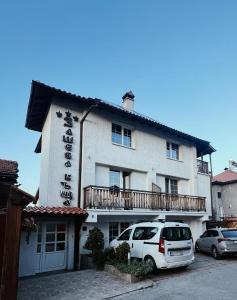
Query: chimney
{"points": [[128, 100]]}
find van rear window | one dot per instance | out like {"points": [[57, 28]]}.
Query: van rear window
{"points": [[176, 233]]}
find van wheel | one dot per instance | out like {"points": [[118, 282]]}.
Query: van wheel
{"points": [[150, 261], [215, 253]]}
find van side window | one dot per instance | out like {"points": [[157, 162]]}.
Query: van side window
{"points": [[125, 236], [144, 233]]}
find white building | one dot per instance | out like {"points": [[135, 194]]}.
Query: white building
{"points": [[132, 169], [224, 193]]}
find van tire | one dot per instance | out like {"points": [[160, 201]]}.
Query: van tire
{"points": [[150, 260]]}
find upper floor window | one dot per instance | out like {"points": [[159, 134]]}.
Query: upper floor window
{"points": [[121, 135], [172, 150]]}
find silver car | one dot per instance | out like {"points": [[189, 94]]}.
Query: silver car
{"points": [[218, 242]]}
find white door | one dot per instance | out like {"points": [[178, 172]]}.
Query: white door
{"points": [[51, 246]]}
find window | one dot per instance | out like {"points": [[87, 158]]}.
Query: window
{"points": [[125, 236], [176, 233], [144, 233], [229, 233], [116, 228], [121, 136], [172, 150], [219, 195], [171, 186], [113, 230], [114, 178], [123, 226]]}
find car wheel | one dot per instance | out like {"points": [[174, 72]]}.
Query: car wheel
{"points": [[215, 253], [197, 249], [150, 261]]}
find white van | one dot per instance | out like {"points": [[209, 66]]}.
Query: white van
{"points": [[164, 245]]}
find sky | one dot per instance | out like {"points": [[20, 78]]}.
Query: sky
{"points": [[179, 57]]}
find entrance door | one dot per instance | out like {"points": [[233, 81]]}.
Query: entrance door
{"points": [[51, 246]]}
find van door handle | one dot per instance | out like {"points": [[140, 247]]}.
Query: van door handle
{"points": [[132, 245]]}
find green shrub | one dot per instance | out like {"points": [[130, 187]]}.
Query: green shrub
{"points": [[121, 253], [136, 268], [109, 255], [95, 240], [95, 243]]}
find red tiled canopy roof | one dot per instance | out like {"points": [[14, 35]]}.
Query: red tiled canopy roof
{"points": [[225, 177], [46, 210]]}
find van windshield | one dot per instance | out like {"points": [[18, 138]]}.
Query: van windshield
{"points": [[176, 233]]}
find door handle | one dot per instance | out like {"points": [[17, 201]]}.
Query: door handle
{"points": [[132, 245]]}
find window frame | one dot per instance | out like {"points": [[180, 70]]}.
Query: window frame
{"points": [[125, 130], [169, 185], [170, 147]]}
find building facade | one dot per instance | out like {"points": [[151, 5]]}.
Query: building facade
{"points": [[121, 166], [224, 193]]}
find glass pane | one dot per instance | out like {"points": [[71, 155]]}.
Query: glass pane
{"points": [[127, 140], [49, 247], [50, 227], [60, 246], [113, 230], [116, 134], [38, 248], [123, 226], [114, 178], [39, 237], [50, 237], [61, 227], [61, 237], [175, 151], [229, 233]]}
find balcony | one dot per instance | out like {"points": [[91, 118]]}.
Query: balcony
{"points": [[202, 166], [99, 197]]}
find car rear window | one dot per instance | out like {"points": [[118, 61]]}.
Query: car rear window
{"points": [[144, 233], [229, 233], [176, 233]]}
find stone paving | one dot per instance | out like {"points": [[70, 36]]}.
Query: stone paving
{"points": [[96, 285], [86, 284]]}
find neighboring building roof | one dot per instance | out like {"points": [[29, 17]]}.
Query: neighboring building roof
{"points": [[225, 177], [46, 210], [41, 96], [8, 171]]}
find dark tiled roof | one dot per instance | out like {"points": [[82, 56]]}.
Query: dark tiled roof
{"points": [[227, 176], [46, 210], [8, 170], [41, 96]]}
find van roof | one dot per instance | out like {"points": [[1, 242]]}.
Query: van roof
{"points": [[160, 224]]}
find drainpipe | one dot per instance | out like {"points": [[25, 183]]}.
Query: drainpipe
{"points": [[77, 221], [212, 208]]}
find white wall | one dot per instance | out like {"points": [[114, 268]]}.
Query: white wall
{"points": [[204, 190], [145, 160], [53, 160]]}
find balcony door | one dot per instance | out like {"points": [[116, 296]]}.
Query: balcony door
{"points": [[119, 178]]}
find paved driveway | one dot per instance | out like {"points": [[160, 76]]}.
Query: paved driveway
{"points": [[205, 279]]}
